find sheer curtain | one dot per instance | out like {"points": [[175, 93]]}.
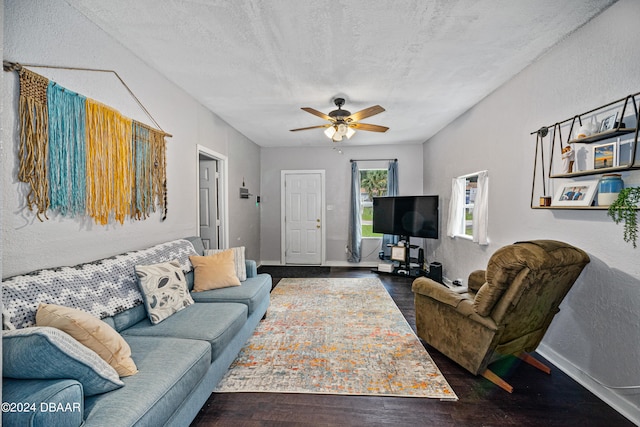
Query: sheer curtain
{"points": [[392, 190], [481, 210], [480, 223], [456, 207], [354, 243]]}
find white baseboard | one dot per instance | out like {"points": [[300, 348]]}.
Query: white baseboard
{"points": [[367, 264], [267, 262], [607, 395]]}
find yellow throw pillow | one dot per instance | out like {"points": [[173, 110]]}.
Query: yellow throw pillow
{"points": [[92, 333], [214, 271], [238, 257]]}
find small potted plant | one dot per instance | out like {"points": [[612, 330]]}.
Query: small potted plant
{"points": [[624, 208]]}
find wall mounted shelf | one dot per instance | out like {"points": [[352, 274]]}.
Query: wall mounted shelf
{"points": [[573, 208], [620, 108], [595, 171], [602, 136]]}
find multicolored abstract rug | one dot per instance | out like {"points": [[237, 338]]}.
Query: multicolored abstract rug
{"points": [[335, 336]]}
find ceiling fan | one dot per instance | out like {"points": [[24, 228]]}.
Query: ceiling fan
{"points": [[343, 123]]}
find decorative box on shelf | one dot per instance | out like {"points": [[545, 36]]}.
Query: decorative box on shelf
{"points": [[385, 267]]}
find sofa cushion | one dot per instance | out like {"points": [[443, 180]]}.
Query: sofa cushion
{"points": [[238, 260], [48, 403], [110, 321], [91, 332], [128, 318], [169, 370], [251, 293], [214, 271], [196, 242], [164, 289], [49, 353], [214, 323]]}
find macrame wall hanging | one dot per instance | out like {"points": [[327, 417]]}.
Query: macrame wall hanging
{"points": [[82, 158]]}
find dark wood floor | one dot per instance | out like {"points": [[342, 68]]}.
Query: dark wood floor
{"points": [[538, 399]]}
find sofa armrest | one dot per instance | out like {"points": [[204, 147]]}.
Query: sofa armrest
{"points": [[476, 280], [252, 269], [42, 403], [437, 291]]}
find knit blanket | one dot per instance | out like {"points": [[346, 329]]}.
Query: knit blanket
{"points": [[103, 288]]}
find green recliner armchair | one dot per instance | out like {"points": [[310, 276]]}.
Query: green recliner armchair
{"points": [[506, 310]]}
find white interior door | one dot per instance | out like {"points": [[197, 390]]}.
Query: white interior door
{"points": [[303, 219], [209, 207]]}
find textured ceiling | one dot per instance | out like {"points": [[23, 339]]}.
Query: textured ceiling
{"points": [[255, 63]]}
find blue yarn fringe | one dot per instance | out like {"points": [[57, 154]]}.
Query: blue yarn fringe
{"points": [[67, 150]]}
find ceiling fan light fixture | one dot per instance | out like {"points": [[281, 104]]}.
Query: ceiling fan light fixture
{"points": [[338, 131], [350, 132], [343, 123]]}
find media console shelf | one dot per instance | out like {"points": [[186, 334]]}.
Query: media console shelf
{"points": [[619, 118], [401, 253]]}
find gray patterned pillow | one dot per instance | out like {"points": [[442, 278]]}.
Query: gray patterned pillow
{"points": [[238, 260], [164, 289]]}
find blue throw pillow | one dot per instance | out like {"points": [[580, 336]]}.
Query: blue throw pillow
{"points": [[49, 353]]}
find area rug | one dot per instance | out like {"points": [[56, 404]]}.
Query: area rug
{"points": [[335, 336]]}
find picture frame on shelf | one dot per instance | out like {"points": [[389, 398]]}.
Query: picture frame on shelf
{"points": [[625, 151], [575, 194], [605, 155], [398, 253], [609, 122]]}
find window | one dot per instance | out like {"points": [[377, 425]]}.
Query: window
{"points": [[468, 210], [373, 183], [471, 189]]}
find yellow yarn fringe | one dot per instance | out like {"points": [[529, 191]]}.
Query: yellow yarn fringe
{"points": [[34, 136], [109, 163]]}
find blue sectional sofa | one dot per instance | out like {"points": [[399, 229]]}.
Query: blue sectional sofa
{"points": [[180, 360]]}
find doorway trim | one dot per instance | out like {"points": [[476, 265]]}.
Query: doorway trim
{"points": [[223, 196], [283, 208]]}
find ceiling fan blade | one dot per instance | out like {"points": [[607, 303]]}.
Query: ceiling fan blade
{"points": [[317, 113], [368, 127], [367, 112], [312, 127]]}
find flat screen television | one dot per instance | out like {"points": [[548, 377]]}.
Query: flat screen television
{"points": [[410, 216]]}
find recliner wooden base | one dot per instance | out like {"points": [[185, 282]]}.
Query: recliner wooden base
{"points": [[525, 357]]}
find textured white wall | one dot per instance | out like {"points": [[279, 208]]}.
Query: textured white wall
{"points": [[244, 215], [338, 177], [595, 337], [52, 32]]}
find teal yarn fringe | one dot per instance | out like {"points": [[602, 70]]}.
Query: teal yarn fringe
{"points": [[67, 150], [143, 199]]}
